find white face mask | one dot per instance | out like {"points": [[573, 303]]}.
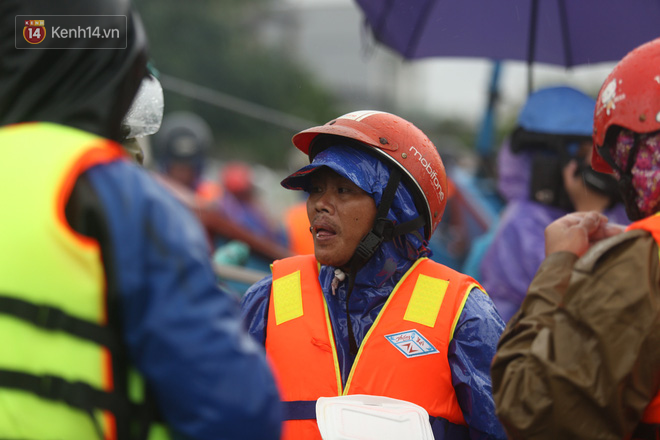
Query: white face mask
{"points": [[146, 112]]}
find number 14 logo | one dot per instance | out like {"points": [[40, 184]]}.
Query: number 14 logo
{"points": [[34, 31]]}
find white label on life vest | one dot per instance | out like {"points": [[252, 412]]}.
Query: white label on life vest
{"points": [[411, 343]]}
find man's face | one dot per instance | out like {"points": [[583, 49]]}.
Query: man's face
{"points": [[340, 213]]}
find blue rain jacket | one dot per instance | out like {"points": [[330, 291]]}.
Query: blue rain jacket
{"points": [[183, 333], [479, 326]]}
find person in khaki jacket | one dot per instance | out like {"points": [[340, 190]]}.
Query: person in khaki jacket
{"points": [[581, 359]]}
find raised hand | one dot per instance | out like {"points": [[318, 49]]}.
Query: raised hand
{"points": [[577, 232]]}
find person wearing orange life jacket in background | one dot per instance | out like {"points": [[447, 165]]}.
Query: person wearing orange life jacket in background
{"points": [[377, 191], [581, 359], [294, 218], [297, 226], [109, 310]]}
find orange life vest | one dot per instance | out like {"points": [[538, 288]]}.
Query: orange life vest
{"points": [[403, 355], [297, 228], [652, 225]]}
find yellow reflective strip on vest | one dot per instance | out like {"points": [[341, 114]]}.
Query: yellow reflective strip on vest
{"points": [[426, 300], [459, 312], [287, 297], [335, 359]]}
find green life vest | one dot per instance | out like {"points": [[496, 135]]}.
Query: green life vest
{"points": [[63, 370]]}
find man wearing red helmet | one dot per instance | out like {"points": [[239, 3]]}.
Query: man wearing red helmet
{"points": [[580, 360], [369, 312]]}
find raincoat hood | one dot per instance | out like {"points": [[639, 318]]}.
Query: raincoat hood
{"points": [[90, 89]]}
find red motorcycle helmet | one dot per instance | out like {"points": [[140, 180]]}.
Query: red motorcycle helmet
{"points": [[629, 98], [236, 178], [400, 144]]}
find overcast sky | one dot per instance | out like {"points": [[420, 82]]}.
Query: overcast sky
{"points": [[461, 83]]}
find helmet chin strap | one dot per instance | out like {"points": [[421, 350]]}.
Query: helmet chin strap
{"points": [[625, 185], [382, 230]]}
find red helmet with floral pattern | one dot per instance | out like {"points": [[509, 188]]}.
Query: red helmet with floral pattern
{"points": [[629, 98]]}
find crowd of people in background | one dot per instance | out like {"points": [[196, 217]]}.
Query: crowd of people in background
{"points": [[544, 175], [359, 287]]}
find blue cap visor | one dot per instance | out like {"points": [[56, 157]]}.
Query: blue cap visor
{"points": [[350, 163]]}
